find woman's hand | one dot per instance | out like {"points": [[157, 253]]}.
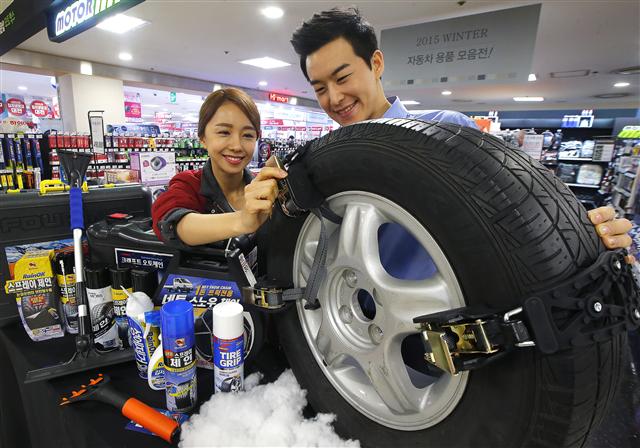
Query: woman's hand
{"points": [[259, 197], [613, 231]]}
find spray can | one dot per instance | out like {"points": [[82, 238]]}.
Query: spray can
{"points": [[228, 347], [155, 371], [144, 281], [120, 285], [103, 323], [64, 265], [137, 304], [178, 342]]}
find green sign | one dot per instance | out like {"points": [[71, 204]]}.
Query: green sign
{"points": [[67, 19], [172, 97]]}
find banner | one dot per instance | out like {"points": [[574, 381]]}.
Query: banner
{"points": [[493, 47], [132, 105]]}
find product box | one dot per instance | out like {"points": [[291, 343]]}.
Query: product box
{"points": [[154, 168], [121, 176], [36, 295]]}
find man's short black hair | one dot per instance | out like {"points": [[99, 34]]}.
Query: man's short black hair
{"points": [[327, 26]]}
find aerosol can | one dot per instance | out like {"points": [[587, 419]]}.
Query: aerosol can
{"points": [[228, 347], [178, 343]]}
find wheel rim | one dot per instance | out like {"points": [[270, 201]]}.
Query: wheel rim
{"points": [[360, 354]]}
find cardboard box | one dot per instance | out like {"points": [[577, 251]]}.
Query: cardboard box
{"points": [[154, 168]]}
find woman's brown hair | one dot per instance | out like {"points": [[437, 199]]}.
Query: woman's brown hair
{"points": [[233, 95]]}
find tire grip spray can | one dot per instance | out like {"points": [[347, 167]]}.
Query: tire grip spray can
{"points": [[121, 280], [178, 343], [228, 347], [139, 303], [66, 277], [103, 323]]}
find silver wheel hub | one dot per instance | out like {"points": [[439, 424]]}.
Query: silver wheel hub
{"points": [[358, 347]]}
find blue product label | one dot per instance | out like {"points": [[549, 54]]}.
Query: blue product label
{"points": [[200, 292], [228, 369], [136, 336], [177, 416]]}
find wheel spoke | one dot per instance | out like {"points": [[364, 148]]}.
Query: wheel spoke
{"points": [[329, 344], [358, 239], [403, 300], [387, 373]]}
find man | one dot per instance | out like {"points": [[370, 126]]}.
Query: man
{"points": [[340, 58]]}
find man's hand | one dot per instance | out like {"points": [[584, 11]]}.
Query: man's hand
{"points": [[259, 197], [613, 231]]}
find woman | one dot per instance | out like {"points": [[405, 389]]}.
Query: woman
{"points": [[221, 200]]}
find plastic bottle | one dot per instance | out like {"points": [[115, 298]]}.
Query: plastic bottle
{"points": [[228, 347], [547, 139], [178, 342], [121, 282], [557, 140], [137, 304], [103, 323]]}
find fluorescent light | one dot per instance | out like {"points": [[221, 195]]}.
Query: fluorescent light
{"points": [[265, 62], [293, 100], [150, 105], [528, 98], [86, 68], [621, 84], [216, 87], [22, 87], [121, 24], [447, 92], [262, 83], [532, 77], [195, 101], [410, 102], [272, 12], [125, 56]]}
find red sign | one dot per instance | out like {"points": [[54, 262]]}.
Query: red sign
{"points": [[277, 98], [39, 108], [273, 122], [132, 110], [1, 106], [16, 107]]}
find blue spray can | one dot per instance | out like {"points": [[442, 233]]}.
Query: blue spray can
{"points": [[178, 344], [228, 347]]}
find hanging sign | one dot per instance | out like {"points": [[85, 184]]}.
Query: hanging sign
{"points": [[493, 47], [40, 109], [532, 145], [69, 18], [16, 107]]}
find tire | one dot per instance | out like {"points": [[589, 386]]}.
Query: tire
{"points": [[504, 227]]}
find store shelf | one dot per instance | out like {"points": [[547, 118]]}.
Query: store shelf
{"points": [[622, 191], [582, 159], [583, 185]]}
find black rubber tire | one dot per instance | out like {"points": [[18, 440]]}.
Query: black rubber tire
{"points": [[509, 228]]}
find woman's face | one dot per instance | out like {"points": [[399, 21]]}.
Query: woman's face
{"points": [[230, 139]]}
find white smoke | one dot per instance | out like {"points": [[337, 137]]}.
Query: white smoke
{"points": [[261, 415]]}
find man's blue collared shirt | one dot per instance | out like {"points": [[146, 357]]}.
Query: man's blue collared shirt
{"points": [[397, 110]]}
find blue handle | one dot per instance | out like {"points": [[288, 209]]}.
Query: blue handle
{"points": [[75, 204]]}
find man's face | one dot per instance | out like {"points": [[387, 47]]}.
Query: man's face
{"points": [[346, 88]]}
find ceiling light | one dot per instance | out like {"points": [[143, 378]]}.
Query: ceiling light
{"points": [[293, 101], [409, 102], [570, 74], [125, 56], [621, 84], [627, 71], [532, 77], [272, 12], [262, 83], [611, 95], [22, 87], [216, 87], [86, 68], [121, 23], [447, 92], [265, 62], [528, 98], [150, 105]]}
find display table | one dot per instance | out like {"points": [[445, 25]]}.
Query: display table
{"points": [[30, 414]]}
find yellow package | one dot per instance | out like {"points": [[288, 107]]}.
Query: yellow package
{"points": [[36, 295]]}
